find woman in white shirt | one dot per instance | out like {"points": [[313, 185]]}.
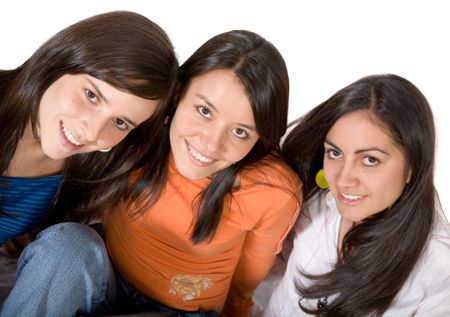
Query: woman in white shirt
{"points": [[371, 239]]}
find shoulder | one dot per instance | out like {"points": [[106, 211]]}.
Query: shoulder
{"points": [[319, 219], [270, 185], [427, 289], [271, 171], [431, 272], [269, 195], [320, 208], [438, 245]]}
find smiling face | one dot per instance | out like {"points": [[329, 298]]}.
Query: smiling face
{"points": [[365, 169], [79, 113], [213, 126]]}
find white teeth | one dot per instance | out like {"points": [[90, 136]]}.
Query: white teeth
{"points": [[200, 157], [351, 197], [69, 136]]}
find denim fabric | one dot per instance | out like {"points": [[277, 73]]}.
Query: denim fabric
{"points": [[65, 271]]}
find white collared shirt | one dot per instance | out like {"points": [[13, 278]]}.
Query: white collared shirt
{"points": [[425, 293]]}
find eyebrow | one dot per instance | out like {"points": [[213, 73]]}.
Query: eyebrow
{"points": [[129, 121], [358, 151], [205, 100], [98, 92]]}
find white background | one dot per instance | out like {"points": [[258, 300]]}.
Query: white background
{"points": [[326, 44]]}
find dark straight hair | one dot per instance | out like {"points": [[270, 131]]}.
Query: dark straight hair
{"points": [[380, 253], [262, 71]]}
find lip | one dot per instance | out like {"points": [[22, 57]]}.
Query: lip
{"points": [[66, 143], [194, 159], [348, 201]]}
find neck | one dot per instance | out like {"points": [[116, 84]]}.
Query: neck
{"points": [[344, 227], [30, 161]]}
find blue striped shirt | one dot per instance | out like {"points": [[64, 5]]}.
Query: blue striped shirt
{"points": [[26, 202]]}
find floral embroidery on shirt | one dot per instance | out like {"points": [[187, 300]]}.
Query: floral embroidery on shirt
{"points": [[189, 286]]}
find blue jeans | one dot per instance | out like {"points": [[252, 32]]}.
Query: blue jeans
{"points": [[64, 272], [67, 272]]}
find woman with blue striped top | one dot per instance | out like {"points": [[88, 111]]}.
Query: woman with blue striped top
{"points": [[80, 112]]}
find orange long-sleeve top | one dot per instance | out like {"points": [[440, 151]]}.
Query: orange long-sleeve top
{"points": [[155, 254]]}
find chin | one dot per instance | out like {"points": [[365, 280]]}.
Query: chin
{"points": [[51, 154], [54, 155], [193, 177], [192, 173], [57, 157]]}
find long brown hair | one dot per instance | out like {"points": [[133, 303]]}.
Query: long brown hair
{"points": [[124, 49], [262, 70], [380, 253]]}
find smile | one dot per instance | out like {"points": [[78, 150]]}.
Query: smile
{"points": [[351, 197], [69, 136], [199, 157]]}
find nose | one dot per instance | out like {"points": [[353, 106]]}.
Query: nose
{"points": [[213, 139], [92, 128], [347, 176]]}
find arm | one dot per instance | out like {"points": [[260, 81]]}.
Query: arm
{"points": [[14, 246], [263, 242], [436, 305]]}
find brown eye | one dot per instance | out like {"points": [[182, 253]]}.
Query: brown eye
{"points": [[332, 154], [204, 111], [90, 95], [240, 133], [121, 125], [370, 161]]}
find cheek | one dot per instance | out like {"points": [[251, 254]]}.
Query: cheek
{"points": [[111, 136], [329, 171], [239, 151], [116, 140], [390, 189], [180, 128], [177, 126], [184, 126], [75, 106], [49, 113], [41, 115], [45, 107]]}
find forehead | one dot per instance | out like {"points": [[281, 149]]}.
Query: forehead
{"points": [[221, 80], [121, 103], [361, 129], [223, 90]]}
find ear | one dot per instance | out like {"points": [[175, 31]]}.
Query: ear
{"points": [[408, 178]]}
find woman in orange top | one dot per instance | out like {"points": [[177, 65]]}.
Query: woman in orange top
{"points": [[205, 216]]}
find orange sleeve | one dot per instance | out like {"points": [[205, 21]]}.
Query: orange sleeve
{"points": [[262, 243]]}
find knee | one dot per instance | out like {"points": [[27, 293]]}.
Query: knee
{"points": [[67, 239], [70, 231]]}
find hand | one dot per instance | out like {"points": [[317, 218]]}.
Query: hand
{"points": [[15, 246]]}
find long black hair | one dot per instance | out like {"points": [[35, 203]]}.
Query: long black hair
{"points": [[262, 71], [378, 254], [124, 49]]}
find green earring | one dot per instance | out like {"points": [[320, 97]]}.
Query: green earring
{"points": [[320, 180]]}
